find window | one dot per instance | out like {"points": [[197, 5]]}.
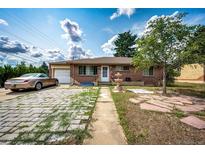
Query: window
{"points": [[122, 68], [82, 70], [43, 76], [126, 68], [149, 72], [87, 70]]}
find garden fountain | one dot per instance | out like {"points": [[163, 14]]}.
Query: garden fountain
{"points": [[118, 81]]}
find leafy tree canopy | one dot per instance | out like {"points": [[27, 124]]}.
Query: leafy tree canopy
{"points": [[195, 51], [125, 45], [163, 43]]}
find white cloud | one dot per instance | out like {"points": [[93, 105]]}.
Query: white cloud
{"points": [[138, 28], [54, 55], [13, 52], [109, 46], [77, 52], [72, 30], [37, 55], [74, 36], [7, 45], [122, 11], [3, 22]]}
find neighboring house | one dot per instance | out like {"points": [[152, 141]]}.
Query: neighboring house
{"points": [[102, 70], [193, 73]]}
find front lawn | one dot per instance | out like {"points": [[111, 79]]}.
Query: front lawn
{"points": [[192, 89], [146, 127]]}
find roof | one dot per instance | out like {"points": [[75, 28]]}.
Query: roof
{"points": [[99, 60]]}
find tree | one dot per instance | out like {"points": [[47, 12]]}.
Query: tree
{"points": [[163, 44], [7, 71], [196, 47], [44, 68], [125, 45]]}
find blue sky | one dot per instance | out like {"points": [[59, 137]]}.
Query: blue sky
{"points": [[58, 34]]}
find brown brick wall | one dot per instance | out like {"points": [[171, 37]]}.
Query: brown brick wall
{"points": [[135, 75], [81, 78]]}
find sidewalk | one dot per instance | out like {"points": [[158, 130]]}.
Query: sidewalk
{"points": [[104, 127]]}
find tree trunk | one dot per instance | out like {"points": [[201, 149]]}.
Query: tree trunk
{"points": [[164, 80]]}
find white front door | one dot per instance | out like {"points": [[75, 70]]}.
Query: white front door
{"points": [[105, 73]]}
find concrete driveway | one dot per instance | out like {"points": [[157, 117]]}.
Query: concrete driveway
{"points": [[31, 111], [8, 94]]}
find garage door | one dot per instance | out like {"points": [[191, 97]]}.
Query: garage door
{"points": [[63, 75]]}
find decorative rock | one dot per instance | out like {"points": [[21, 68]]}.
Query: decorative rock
{"points": [[194, 122], [174, 102], [159, 104], [150, 107], [186, 101], [188, 108], [134, 101]]}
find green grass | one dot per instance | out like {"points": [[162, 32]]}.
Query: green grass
{"points": [[192, 89], [179, 114], [120, 99], [200, 113]]}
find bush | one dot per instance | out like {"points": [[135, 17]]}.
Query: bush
{"points": [[7, 71]]}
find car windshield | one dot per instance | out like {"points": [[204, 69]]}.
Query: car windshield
{"points": [[30, 75]]}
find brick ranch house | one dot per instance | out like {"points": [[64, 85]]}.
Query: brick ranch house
{"points": [[101, 71]]}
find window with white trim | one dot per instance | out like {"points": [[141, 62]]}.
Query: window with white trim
{"points": [[122, 68], [87, 70], [149, 71]]}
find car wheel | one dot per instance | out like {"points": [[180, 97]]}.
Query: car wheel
{"points": [[57, 83], [15, 90], [38, 86]]}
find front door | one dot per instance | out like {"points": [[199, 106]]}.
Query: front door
{"points": [[105, 73]]}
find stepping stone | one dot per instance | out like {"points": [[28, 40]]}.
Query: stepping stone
{"points": [[160, 104], [185, 101], [188, 108], [200, 107], [194, 122], [150, 107], [174, 102], [135, 101]]}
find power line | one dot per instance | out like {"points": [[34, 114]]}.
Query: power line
{"points": [[18, 37], [6, 54], [28, 26]]}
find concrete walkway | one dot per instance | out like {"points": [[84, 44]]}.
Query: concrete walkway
{"points": [[105, 127]]}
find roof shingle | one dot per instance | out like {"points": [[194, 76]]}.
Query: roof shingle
{"points": [[100, 60]]}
